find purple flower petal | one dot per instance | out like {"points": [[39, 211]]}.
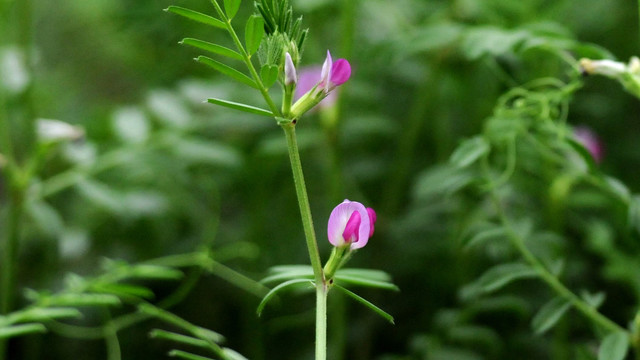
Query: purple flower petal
{"points": [[339, 219], [372, 220], [340, 72], [350, 234], [326, 71]]}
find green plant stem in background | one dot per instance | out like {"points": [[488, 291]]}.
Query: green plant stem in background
{"points": [[552, 281], [310, 237]]}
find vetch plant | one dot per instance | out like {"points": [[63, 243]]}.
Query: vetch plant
{"points": [[496, 157], [278, 41]]}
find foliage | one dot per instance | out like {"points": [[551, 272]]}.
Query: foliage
{"points": [[503, 233]]}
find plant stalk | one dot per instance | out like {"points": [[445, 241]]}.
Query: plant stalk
{"points": [[321, 321], [310, 237], [303, 202]]}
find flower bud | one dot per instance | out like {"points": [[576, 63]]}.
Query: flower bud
{"points": [[290, 76]]}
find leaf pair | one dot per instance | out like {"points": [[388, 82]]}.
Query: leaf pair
{"points": [[293, 276]]}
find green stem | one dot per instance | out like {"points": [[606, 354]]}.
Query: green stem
{"points": [[312, 244], [111, 340], [551, 280], [321, 321], [303, 202], [247, 59]]}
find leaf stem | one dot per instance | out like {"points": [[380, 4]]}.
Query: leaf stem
{"points": [[247, 59]]}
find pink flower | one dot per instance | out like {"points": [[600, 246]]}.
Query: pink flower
{"points": [[316, 84], [351, 223], [307, 79], [334, 73], [590, 141]]}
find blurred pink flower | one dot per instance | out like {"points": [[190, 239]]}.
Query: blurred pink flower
{"points": [[585, 136]]}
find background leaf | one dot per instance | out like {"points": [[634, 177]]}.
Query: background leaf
{"points": [[614, 347], [549, 315]]}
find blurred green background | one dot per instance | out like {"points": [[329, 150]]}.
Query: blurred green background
{"points": [[159, 172]]}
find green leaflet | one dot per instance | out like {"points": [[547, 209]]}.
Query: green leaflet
{"points": [[614, 346], [241, 107], [269, 75], [470, 151], [277, 289], [231, 7], [183, 339], [186, 355], [196, 16], [549, 315], [19, 330], [253, 34], [212, 48], [366, 303], [227, 70]]}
